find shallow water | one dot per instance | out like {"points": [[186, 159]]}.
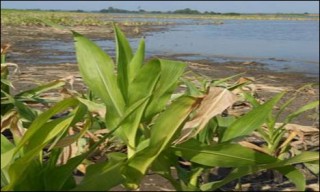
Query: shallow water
{"points": [[291, 46]]}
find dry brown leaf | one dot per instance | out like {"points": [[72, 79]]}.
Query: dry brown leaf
{"points": [[82, 168], [66, 141], [6, 120], [302, 128], [69, 151], [4, 48], [65, 93], [17, 128], [272, 89], [70, 79], [253, 146], [289, 138], [245, 80], [215, 102]]}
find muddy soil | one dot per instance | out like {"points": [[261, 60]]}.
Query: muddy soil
{"points": [[266, 84], [15, 35]]}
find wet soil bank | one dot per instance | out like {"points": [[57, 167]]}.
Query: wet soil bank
{"points": [[18, 36], [265, 83]]}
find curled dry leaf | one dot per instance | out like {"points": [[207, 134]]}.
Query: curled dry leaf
{"points": [[248, 87], [6, 120], [82, 168], [6, 65], [4, 48], [215, 102], [272, 89], [305, 133], [245, 80], [70, 79], [253, 146], [306, 130], [291, 136], [68, 151]]}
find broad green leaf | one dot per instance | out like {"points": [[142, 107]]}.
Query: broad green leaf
{"points": [[68, 140], [61, 174], [7, 157], [170, 73], [123, 56], [243, 171], [6, 145], [301, 110], [289, 171], [207, 134], [162, 132], [222, 155], [23, 110], [218, 82], [18, 170], [7, 151], [303, 157], [192, 90], [5, 107], [42, 88], [6, 82], [4, 177], [235, 174], [97, 71], [136, 62], [31, 179], [294, 175], [250, 121], [44, 118], [94, 107], [225, 121], [162, 166], [169, 121], [103, 176], [39, 134], [313, 167], [251, 99], [141, 87], [55, 128], [283, 107]]}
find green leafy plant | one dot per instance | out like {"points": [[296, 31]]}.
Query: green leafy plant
{"points": [[160, 125]]}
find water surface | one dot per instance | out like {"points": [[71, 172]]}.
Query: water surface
{"points": [[291, 46]]}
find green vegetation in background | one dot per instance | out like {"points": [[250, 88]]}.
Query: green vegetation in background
{"points": [[11, 17]]}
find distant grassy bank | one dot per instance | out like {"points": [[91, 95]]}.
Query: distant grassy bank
{"points": [[10, 17]]}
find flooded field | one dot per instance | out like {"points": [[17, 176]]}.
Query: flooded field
{"points": [[280, 45]]}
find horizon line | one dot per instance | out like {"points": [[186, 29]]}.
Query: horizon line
{"points": [[161, 11]]}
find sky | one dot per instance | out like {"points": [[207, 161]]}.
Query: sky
{"points": [[216, 6]]}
